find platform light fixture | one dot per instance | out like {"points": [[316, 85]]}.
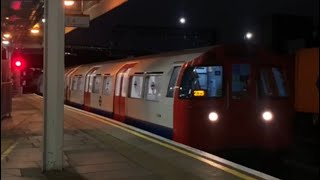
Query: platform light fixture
{"points": [[35, 31], [68, 3], [248, 36], [182, 20], [5, 42], [7, 35]]}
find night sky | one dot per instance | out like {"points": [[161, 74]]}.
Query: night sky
{"points": [[231, 18]]}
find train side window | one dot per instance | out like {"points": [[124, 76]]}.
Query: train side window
{"points": [[107, 85], [80, 83], [153, 87], [173, 80], [240, 78], [96, 84], [90, 77], [136, 87], [125, 82], [272, 83], [74, 83]]}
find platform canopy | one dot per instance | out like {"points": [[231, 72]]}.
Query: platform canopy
{"points": [[18, 17]]}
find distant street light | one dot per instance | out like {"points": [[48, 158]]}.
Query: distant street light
{"points": [[182, 20], [248, 36], [43, 20]]}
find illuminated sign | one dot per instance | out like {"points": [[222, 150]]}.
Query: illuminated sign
{"points": [[199, 93]]}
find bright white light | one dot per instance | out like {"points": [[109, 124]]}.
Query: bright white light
{"points": [[18, 63], [43, 20], [213, 116], [68, 3], [267, 116], [34, 31], [7, 35], [182, 20], [7, 18], [5, 42], [249, 35]]}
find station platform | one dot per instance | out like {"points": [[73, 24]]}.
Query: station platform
{"points": [[96, 147]]}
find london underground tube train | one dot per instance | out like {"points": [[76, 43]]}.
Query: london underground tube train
{"points": [[218, 98]]}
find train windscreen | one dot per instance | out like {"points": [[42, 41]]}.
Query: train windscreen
{"points": [[205, 80], [272, 82]]}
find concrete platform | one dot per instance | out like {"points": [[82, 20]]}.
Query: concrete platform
{"points": [[96, 147]]}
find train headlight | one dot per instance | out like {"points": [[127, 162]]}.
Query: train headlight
{"points": [[267, 115], [213, 116]]}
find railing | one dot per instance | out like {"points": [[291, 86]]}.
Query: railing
{"points": [[6, 99]]}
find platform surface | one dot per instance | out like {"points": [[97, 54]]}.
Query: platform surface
{"points": [[95, 148]]}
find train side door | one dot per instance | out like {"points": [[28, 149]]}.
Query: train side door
{"points": [[88, 88], [68, 83], [121, 85], [168, 100]]}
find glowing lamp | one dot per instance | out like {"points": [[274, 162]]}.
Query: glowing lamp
{"points": [[34, 31], [249, 35], [5, 42], [267, 116], [213, 116], [18, 63], [7, 35], [182, 20], [68, 3]]}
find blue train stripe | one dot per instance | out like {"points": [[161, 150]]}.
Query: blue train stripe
{"points": [[151, 127]]}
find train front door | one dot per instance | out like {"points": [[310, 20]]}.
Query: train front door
{"points": [[120, 94], [241, 98]]}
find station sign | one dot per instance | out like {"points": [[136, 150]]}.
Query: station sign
{"points": [[77, 20]]}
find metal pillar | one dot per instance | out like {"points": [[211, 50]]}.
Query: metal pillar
{"points": [[53, 85]]}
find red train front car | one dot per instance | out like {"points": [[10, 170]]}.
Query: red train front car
{"points": [[234, 97]]}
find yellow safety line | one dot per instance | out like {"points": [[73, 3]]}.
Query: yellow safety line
{"points": [[219, 166], [8, 151]]}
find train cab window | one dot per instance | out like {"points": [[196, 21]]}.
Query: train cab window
{"points": [[136, 86], [173, 80], [272, 82], [207, 78], [107, 85], [240, 80], [153, 87], [96, 84]]}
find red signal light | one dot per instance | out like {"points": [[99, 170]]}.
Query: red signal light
{"points": [[18, 63]]}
